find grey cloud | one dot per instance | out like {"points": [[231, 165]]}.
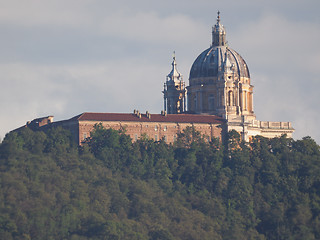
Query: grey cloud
{"points": [[281, 55], [64, 58]]}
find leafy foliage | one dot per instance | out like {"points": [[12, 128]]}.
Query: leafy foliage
{"points": [[112, 188]]}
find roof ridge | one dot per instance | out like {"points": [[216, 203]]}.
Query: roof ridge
{"points": [[131, 117]]}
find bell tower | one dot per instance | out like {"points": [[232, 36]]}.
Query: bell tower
{"points": [[174, 92], [237, 90]]}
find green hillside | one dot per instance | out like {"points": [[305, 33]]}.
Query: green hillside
{"points": [[114, 189]]}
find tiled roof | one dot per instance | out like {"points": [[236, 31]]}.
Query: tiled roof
{"points": [[130, 117]]}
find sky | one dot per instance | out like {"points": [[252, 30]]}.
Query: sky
{"points": [[65, 57]]}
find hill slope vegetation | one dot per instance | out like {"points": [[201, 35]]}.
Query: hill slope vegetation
{"points": [[112, 188]]}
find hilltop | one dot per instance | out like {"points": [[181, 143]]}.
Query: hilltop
{"points": [[113, 188]]}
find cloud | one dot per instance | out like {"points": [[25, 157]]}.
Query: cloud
{"points": [[283, 57], [151, 28], [289, 42], [96, 17], [30, 91], [43, 13], [61, 66], [65, 57]]}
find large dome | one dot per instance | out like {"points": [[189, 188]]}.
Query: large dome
{"points": [[219, 57], [219, 81], [212, 60]]}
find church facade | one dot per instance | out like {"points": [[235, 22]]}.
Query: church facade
{"points": [[218, 99]]}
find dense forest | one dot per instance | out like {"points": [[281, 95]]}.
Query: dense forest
{"points": [[111, 188]]}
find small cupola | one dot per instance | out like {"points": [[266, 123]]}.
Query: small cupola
{"points": [[174, 75], [218, 33]]}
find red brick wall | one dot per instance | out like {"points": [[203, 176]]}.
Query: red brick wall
{"points": [[153, 130]]}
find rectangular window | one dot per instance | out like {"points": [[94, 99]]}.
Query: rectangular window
{"points": [[135, 137], [156, 137], [211, 102], [165, 138], [165, 128], [84, 136], [156, 128]]}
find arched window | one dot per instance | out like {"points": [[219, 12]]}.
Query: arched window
{"points": [[230, 98], [245, 99], [195, 103], [221, 98], [249, 101]]}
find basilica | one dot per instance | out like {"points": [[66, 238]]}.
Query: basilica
{"points": [[220, 84], [218, 99]]}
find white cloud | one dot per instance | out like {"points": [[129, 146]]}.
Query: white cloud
{"points": [[65, 57], [31, 91], [290, 43], [152, 28], [40, 12], [283, 57], [110, 20]]}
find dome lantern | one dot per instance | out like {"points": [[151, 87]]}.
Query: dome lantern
{"points": [[218, 33]]}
